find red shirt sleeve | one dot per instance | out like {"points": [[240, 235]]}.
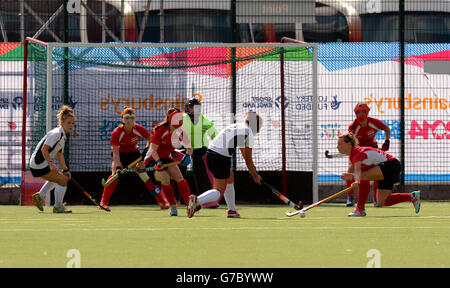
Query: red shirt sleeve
{"points": [[380, 125], [357, 155], [115, 137]]}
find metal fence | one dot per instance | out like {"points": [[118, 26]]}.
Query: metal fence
{"points": [[412, 21]]}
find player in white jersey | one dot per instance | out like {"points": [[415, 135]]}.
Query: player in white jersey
{"points": [[218, 159], [41, 165]]}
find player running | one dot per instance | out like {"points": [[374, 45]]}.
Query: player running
{"points": [[365, 128], [373, 164], [167, 136], [218, 158], [41, 165], [124, 150]]}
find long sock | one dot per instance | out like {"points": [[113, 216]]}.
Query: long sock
{"points": [[183, 188], [208, 196], [397, 198], [350, 193], [60, 191], [363, 193], [108, 191], [229, 196], [168, 191], [151, 187], [48, 186]]}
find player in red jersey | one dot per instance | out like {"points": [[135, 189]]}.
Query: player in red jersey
{"points": [[365, 128], [373, 164], [167, 136], [124, 142]]}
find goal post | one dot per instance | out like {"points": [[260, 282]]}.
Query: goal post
{"points": [[98, 79]]}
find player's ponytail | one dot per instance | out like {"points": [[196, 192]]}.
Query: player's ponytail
{"points": [[64, 113]]}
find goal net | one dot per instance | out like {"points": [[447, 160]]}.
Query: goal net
{"points": [[97, 80]]}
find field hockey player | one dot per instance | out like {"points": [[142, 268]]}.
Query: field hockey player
{"points": [[218, 158], [124, 150], [374, 165], [41, 165], [168, 135]]}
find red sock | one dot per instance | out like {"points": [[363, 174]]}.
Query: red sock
{"points": [[397, 198], [168, 191], [183, 188], [108, 191], [363, 193], [350, 193], [150, 186]]}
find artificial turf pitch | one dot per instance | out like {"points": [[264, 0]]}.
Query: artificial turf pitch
{"points": [[144, 236]]}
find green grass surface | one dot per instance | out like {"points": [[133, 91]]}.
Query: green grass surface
{"points": [[144, 236]]}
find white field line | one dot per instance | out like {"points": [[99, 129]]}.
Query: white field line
{"points": [[187, 228]]}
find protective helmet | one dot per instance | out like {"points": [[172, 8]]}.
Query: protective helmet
{"points": [[191, 102], [175, 117], [361, 106]]}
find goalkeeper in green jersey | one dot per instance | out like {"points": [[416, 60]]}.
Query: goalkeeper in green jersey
{"points": [[199, 128]]}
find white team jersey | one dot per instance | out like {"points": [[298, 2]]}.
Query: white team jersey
{"points": [[56, 139], [232, 136]]}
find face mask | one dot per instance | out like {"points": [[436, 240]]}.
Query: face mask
{"points": [[361, 117], [176, 119]]}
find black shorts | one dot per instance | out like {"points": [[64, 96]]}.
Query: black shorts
{"points": [[40, 172], [219, 165], [391, 174], [128, 158]]}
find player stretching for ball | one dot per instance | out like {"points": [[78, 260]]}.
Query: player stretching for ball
{"points": [[365, 128], [124, 150], [168, 135], [218, 158], [41, 165], [376, 165]]}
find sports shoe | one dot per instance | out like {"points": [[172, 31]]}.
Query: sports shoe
{"points": [[37, 201], [61, 209], [233, 214], [357, 212], [191, 206], [161, 199], [103, 205], [416, 200], [350, 202], [375, 204], [173, 210]]}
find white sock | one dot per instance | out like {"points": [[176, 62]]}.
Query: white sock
{"points": [[60, 191], [208, 196], [229, 197], [48, 186]]}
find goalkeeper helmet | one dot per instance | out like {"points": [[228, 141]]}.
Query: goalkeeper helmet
{"points": [[361, 106], [191, 103]]}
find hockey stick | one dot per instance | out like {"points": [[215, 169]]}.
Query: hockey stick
{"points": [[338, 155], [147, 169], [122, 171], [283, 198], [290, 214], [78, 186]]}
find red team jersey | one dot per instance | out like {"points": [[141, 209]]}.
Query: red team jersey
{"points": [[366, 135], [128, 142], [167, 141], [369, 157]]}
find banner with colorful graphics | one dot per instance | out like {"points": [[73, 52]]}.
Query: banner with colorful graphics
{"points": [[348, 73]]}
